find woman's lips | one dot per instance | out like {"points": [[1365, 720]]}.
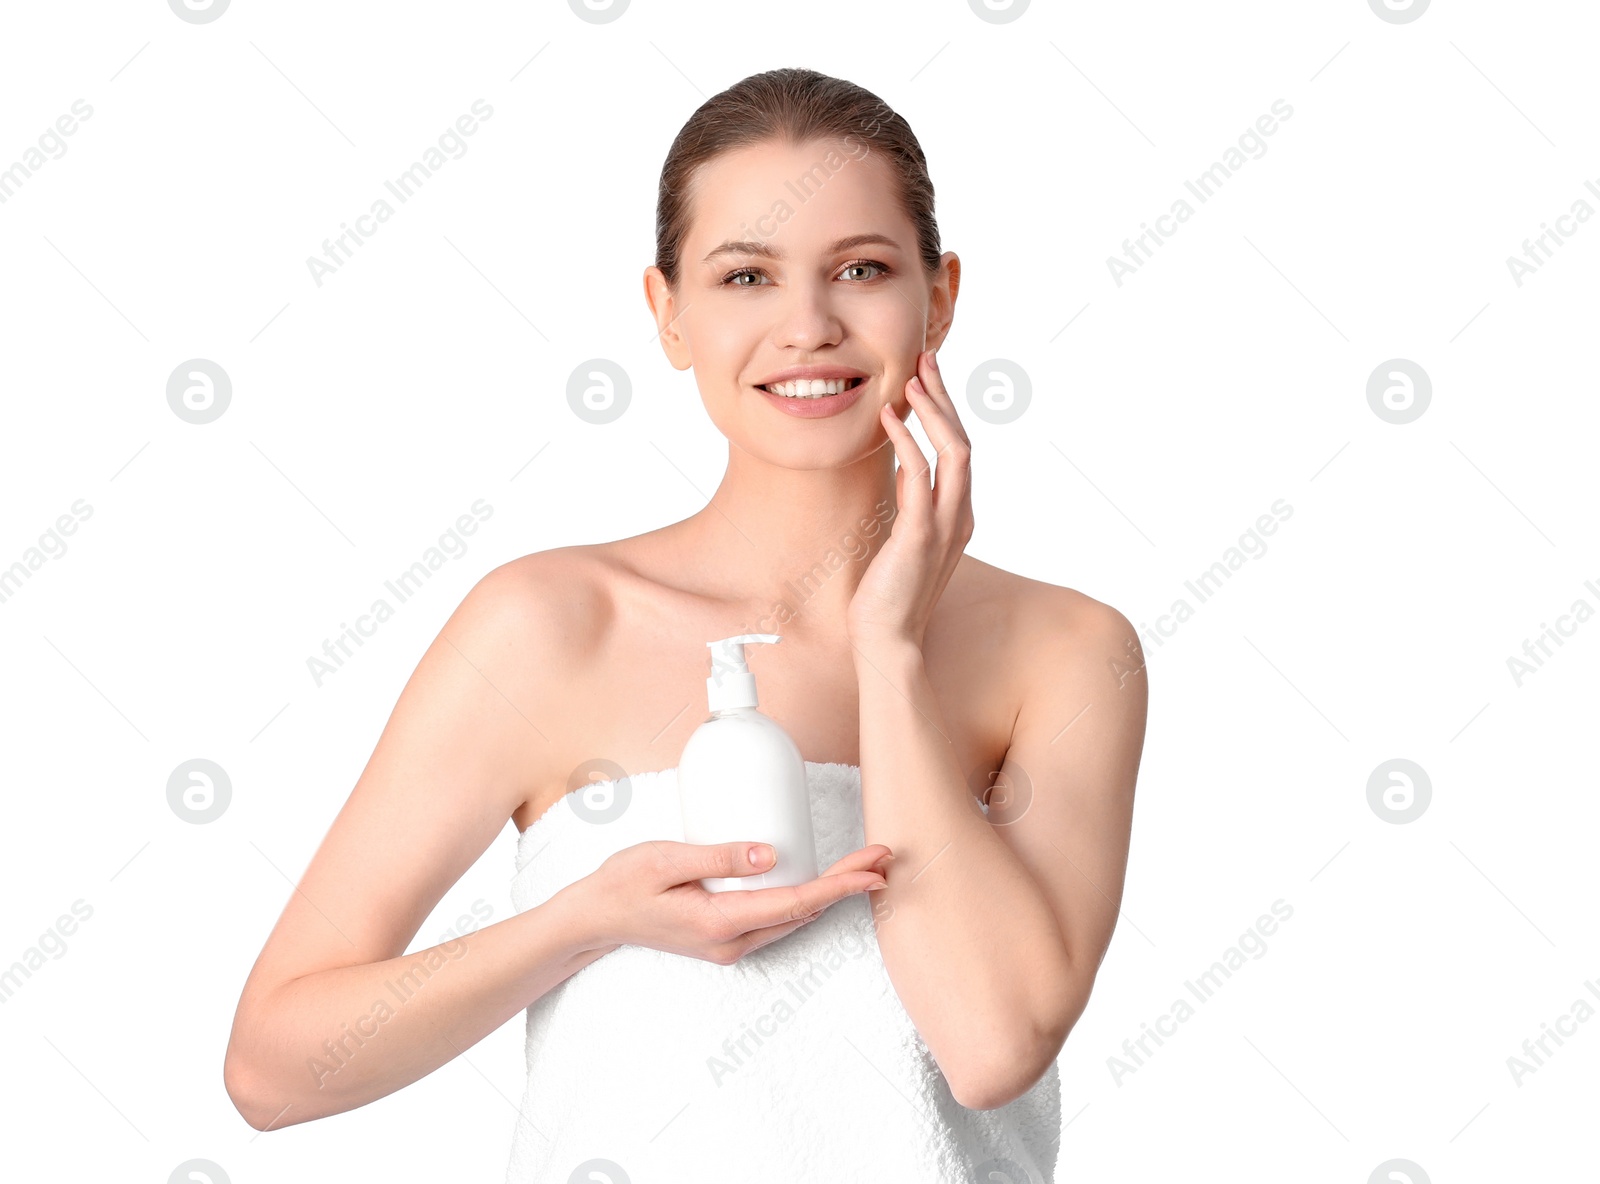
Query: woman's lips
{"points": [[819, 408]]}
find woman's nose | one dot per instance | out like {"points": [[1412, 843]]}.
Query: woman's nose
{"points": [[807, 318]]}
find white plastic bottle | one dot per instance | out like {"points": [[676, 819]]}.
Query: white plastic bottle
{"points": [[741, 777]]}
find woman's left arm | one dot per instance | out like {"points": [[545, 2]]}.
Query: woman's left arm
{"points": [[993, 926]]}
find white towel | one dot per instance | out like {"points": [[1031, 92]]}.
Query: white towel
{"points": [[796, 1063]]}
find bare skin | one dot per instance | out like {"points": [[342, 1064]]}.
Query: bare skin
{"points": [[653, 665], [933, 671]]}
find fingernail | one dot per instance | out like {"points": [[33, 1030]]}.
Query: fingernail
{"points": [[877, 886], [916, 385], [760, 855]]}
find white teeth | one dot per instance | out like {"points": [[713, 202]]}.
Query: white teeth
{"points": [[813, 389]]}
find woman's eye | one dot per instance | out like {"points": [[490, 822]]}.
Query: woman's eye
{"points": [[734, 279], [866, 263]]}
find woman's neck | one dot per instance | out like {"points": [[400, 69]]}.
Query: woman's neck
{"points": [[802, 537]]}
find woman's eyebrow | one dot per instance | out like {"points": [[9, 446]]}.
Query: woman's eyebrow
{"points": [[766, 251]]}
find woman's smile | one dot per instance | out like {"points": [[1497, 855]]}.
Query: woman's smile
{"points": [[819, 406]]}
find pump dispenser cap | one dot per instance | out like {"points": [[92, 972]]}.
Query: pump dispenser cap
{"points": [[731, 684]]}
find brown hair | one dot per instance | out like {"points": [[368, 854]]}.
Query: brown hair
{"points": [[797, 106]]}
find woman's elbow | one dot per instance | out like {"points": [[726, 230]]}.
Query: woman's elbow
{"points": [[1001, 1085], [239, 1080], [252, 1094], [1005, 1074]]}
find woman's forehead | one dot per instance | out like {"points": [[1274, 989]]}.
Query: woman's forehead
{"points": [[793, 198]]}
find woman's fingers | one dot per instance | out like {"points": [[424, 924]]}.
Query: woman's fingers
{"points": [[761, 908], [933, 384], [862, 859], [757, 938], [937, 411], [914, 485], [862, 870]]}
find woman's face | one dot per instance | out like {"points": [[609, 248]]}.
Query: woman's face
{"points": [[800, 256]]}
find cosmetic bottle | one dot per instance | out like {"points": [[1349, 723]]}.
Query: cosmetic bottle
{"points": [[741, 777]]}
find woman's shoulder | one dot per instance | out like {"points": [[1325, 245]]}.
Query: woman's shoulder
{"points": [[1058, 645], [1031, 610], [1045, 636], [564, 596]]}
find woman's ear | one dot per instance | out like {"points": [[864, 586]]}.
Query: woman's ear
{"points": [[942, 299], [664, 308]]}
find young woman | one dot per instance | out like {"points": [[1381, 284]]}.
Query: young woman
{"points": [[972, 736]]}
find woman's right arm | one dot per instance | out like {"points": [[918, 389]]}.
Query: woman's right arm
{"points": [[335, 1014]]}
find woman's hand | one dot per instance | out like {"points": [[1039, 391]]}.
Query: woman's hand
{"points": [[649, 895], [896, 596]]}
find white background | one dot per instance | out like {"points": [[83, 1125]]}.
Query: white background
{"points": [[1168, 413]]}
